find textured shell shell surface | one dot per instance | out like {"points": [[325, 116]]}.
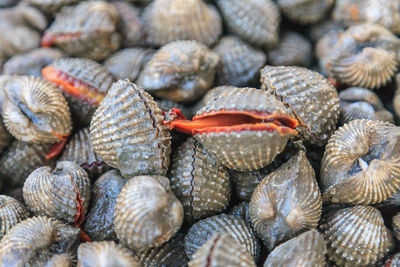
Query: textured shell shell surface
{"points": [[305, 11], [11, 213], [396, 225]]}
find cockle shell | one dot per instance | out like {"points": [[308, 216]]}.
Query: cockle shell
{"points": [[241, 210], [312, 99], [239, 62], [324, 27], [130, 24], [286, 202], [127, 131], [51, 6], [221, 250], [323, 48], [361, 164], [11, 213], [181, 71], [147, 214], [173, 20], [305, 11], [396, 225], [356, 236], [62, 192], [106, 253], [393, 261], [198, 181], [255, 21]]}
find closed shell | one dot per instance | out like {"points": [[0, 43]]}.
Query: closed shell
{"points": [[17, 39], [128, 134], [51, 6], [11, 213], [305, 11], [130, 24]]}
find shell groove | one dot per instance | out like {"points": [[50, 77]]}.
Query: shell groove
{"points": [[305, 11], [11, 213]]}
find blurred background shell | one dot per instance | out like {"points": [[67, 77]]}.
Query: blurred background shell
{"points": [[324, 27], [51, 6], [173, 20], [147, 214], [11, 213], [305, 11]]}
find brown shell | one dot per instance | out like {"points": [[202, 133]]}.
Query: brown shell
{"points": [[256, 21], [286, 202], [127, 131], [147, 214], [307, 249], [35, 111], [181, 71], [58, 192], [361, 164], [173, 20], [130, 24], [356, 236], [106, 253], [396, 225], [11, 213], [312, 99], [221, 250], [240, 62], [198, 181], [305, 11]]}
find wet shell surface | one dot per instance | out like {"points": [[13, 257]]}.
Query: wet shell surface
{"points": [[307, 249], [356, 236], [198, 181], [130, 24], [173, 20], [255, 21], [305, 11], [127, 131], [312, 99], [147, 214], [286, 202], [62, 192], [221, 250], [361, 163], [239, 62], [11, 213], [180, 71]]}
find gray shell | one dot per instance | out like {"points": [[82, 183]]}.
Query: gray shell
{"points": [[11, 213], [51, 6], [130, 24], [305, 11]]}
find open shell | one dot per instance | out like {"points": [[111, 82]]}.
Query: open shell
{"points": [[11, 213], [305, 11]]}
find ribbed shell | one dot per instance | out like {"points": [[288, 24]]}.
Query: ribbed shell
{"points": [[286, 202], [147, 214], [307, 249], [236, 227], [293, 50], [17, 39], [255, 21], [127, 131], [106, 253], [396, 225], [51, 6], [130, 24], [356, 236], [11, 213], [305, 11], [128, 63], [239, 62], [181, 71], [241, 210], [221, 250], [312, 99], [198, 181], [324, 27], [85, 30], [173, 20], [5, 137], [58, 192], [35, 111], [99, 224], [361, 164]]}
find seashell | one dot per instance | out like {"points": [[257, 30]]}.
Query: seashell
{"points": [[80, 150], [255, 21], [393, 261], [138, 142], [128, 63], [147, 214], [106, 253], [99, 224], [312, 99], [85, 30], [360, 103], [31, 241], [6, 3], [56, 260], [248, 120], [31, 63], [83, 82], [221, 250], [396, 99], [24, 15], [234, 226], [317, 31], [180, 71], [172, 20], [286, 202], [198, 181], [241, 210], [240, 63], [361, 163], [323, 49], [166, 105], [35, 111], [305, 11], [307, 249], [51, 6], [293, 49], [62, 193], [5, 137], [396, 225], [356, 236], [11, 213], [211, 94], [391, 202]]}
